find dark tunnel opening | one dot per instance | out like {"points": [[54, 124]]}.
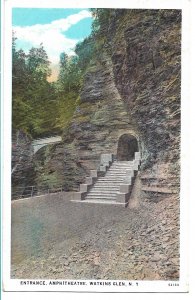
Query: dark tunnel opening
{"points": [[127, 146]]}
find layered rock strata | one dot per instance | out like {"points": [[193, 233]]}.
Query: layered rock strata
{"points": [[99, 121], [145, 51], [132, 86], [22, 169]]}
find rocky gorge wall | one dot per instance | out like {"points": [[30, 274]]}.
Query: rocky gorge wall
{"points": [[145, 52], [99, 120], [22, 169], [132, 86]]}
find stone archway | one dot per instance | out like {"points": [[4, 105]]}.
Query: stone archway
{"points": [[127, 146]]}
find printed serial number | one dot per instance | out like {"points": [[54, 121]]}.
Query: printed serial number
{"points": [[173, 284]]}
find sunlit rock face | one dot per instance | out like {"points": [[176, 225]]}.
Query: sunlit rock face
{"points": [[132, 87], [99, 121]]}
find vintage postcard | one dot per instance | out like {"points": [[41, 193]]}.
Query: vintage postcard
{"points": [[94, 191]]}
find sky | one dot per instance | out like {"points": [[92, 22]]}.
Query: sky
{"points": [[59, 30]]}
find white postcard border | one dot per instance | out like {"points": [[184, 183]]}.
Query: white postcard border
{"points": [[143, 286]]}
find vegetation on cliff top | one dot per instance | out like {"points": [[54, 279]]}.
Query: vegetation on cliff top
{"points": [[42, 108], [39, 107]]}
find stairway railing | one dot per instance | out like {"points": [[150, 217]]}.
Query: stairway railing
{"points": [[106, 161], [127, 186], [32, 191]]}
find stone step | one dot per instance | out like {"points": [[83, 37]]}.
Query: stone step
{"points": [[120, 167], [121, 170], [109, 186], [112, 173], [115, 187], [103, 202], [100, 193], [118, 173], [108, 183], [111, 178], [98, 202], [123, 165], [114, 179], [114, 176], [96, 197], [106, 187], [105, 197]]}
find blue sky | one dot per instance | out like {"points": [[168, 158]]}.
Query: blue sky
{"points": [[58, 29]]}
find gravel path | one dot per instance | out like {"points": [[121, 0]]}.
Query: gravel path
{"points": [[59, 239]]}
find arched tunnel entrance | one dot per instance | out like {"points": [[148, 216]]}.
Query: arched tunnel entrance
{"points": [[127, 146]]}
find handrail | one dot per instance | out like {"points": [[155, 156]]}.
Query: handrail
{"points": [[30, 191]]}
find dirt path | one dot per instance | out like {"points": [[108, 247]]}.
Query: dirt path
{"points": [[59, 239]]}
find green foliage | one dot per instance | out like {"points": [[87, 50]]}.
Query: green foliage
{"points": [[70, 76], [33, 97], [67, 88], [101, 19], [21, 113], [39, 107], [66, 106], [85, 52], [100, 28], [49, 180], [38, 64]]}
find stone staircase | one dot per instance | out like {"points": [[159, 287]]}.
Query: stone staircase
{"points": [[112, 183]]}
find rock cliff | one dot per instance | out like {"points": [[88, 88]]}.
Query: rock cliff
{"points": [[23, 171], [131, 86], [99, 120], [145, 52]]}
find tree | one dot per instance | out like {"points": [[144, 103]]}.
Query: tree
{"points": [[38, 63], [69, 78], [19, 70], [33, 97], [85, 51], [101, 19]]}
